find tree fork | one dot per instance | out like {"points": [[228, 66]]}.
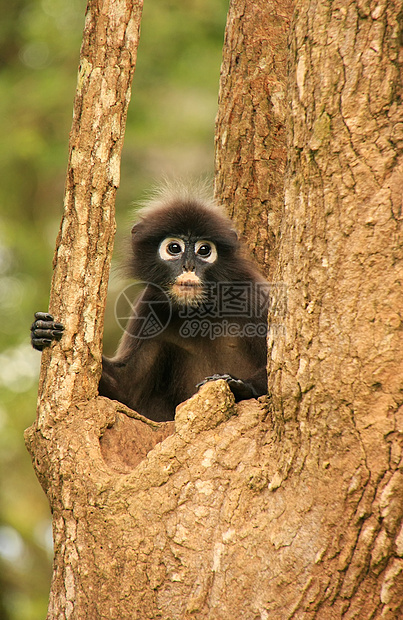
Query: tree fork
{"points": [[140, 537], [238, 513]]}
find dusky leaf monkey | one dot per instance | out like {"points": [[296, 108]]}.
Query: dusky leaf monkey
{"points": [[202, 314]]}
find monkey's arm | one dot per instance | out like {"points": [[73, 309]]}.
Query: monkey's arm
{"points": [[109, 383], [243, 390], [44, 330]]}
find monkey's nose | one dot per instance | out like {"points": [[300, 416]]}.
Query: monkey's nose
{"points": [[189, 266]]}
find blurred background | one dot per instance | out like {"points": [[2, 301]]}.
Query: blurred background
{"points": [[170, 131]]}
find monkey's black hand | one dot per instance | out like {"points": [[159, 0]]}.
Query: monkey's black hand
{"points": [[240, 389], [44, 330]]}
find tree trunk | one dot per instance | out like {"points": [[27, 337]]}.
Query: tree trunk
{"points": [[70, 371], [283, 508], [250, 128], [335, 373], [85, 240]]}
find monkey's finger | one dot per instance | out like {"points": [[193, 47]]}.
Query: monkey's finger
{"points": [[40, 343], [213, 378], [47, 333], [43, 316], [48, 325], [241, 389]]}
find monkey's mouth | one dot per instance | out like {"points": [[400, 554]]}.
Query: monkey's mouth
{"points": [[188, 289]]}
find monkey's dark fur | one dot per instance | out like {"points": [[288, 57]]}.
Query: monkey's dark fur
{"points": [[187, 250]]}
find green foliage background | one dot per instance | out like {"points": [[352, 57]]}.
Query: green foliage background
{"points": [[169, 132]]}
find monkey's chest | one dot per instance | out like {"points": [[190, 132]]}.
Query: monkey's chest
{"points": [[207, 358]]}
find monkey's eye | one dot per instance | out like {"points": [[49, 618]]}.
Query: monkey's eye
{"points": [[206, 250], [174, 248], [171, 248]]}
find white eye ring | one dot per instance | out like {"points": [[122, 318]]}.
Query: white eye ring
{"points": [[167, 246], [209, 258]]}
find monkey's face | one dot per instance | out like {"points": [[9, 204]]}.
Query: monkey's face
{"points": [[187, 260]]}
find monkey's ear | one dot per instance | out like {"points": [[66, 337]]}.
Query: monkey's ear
{"points": [[135, 228], [234, 234]]}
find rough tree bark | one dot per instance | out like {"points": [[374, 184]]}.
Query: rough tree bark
{"points": [[336, 372], [289, 507], [85, 240], [250, 126], [70, 372]]}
